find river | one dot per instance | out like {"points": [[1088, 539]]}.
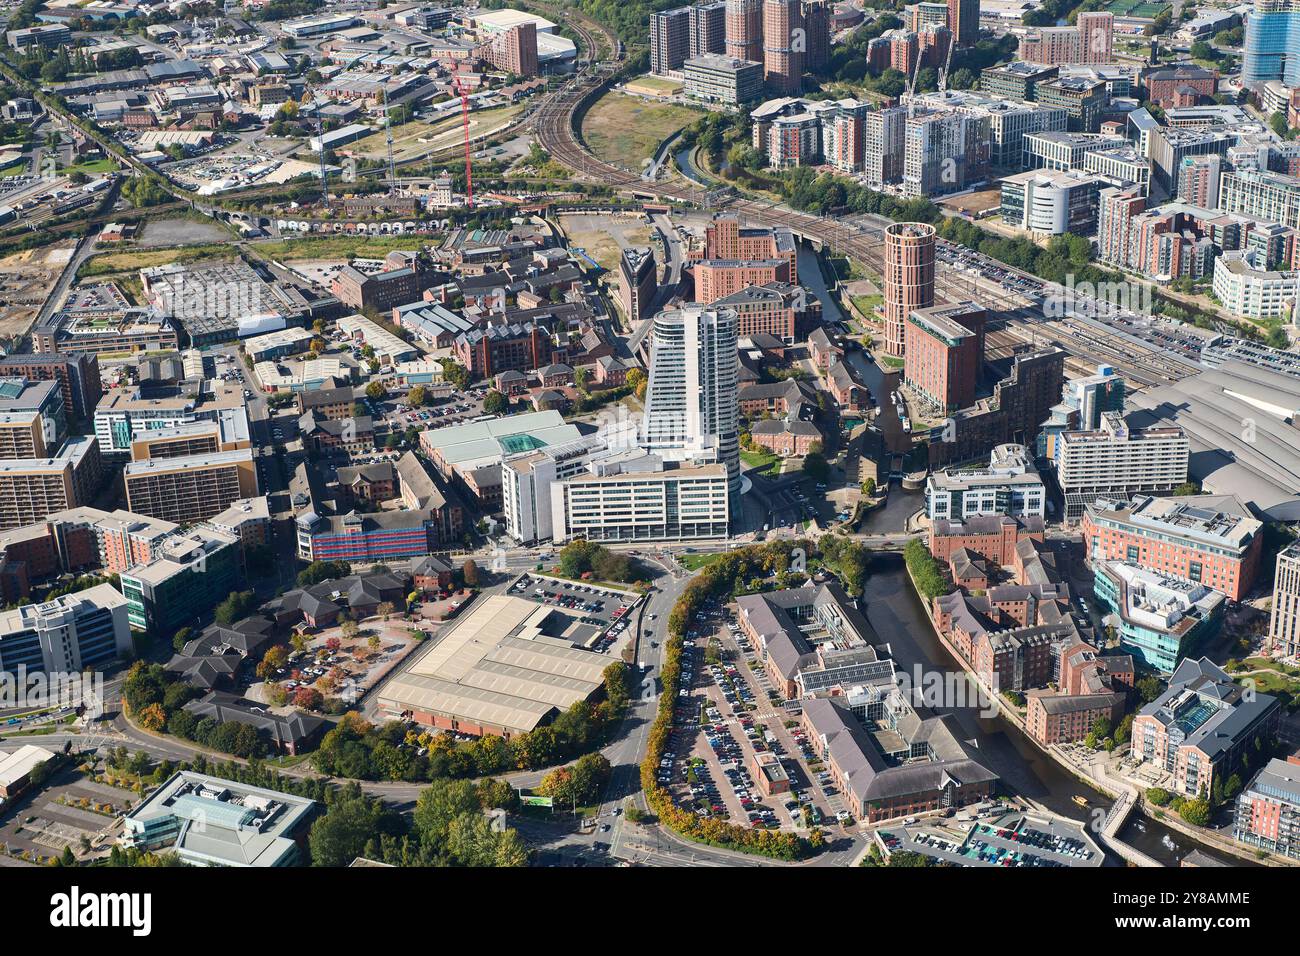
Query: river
{"points": [[896, 613]]}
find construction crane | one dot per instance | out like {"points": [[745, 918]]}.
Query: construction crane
{"points": [[388, 134], [320, 141], [947, 62], [464, 115]]}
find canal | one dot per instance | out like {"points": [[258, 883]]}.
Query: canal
{"points": [[899, 619]]}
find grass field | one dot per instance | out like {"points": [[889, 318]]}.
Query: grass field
{"points": [[420, 139], [626, 131], [111, 262], [335, 247], [867, 304], [95, 167], [1275, 677], [1134, 8], [693, 562], [764, 462]]}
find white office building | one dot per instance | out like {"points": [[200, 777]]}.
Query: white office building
{"points": [[1118, 461], [640, 498], [528, 480], [1008, 486], [87, 629]]}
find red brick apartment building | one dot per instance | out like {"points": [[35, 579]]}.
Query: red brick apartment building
{"points": [[943, 351], [993, 536]]}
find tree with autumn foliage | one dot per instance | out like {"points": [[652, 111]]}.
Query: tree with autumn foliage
{"points": [[152, 717]]}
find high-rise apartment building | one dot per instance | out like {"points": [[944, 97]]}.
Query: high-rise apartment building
{"points": [[945, 152], [844, 136], [817, 33], [884, 132], [1116, 209], [76, 372], [512, 51], [670, 40], [744, 30], [691, 411], [964, 21], [708, 28], [1284, 619], [908, 278], [785, 45]]}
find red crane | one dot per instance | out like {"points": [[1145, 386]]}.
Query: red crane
{"points": [[464, 114]]}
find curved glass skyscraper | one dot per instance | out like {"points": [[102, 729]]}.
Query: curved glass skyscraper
{"points": [[1272, 43]]}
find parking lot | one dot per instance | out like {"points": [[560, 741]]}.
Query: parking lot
{"points": [[603, 617], [1013, 840], [725, 717], [459, 408], [39, 825]]}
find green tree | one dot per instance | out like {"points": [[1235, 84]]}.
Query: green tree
{"points": [[1196, 812], [235, 607], [438, 805], [495, 403], [350, 821]]}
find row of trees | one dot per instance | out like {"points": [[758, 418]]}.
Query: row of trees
{"points": [[927, 574], [716, 581]]}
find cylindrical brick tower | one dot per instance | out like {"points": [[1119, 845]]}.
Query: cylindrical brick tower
{"points": [[908, 277]]}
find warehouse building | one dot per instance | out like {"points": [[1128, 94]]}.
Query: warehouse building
{"points": [[497, 671]]}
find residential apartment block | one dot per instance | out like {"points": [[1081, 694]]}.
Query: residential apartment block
{"points": [[1201, 726], [191, 488]]}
